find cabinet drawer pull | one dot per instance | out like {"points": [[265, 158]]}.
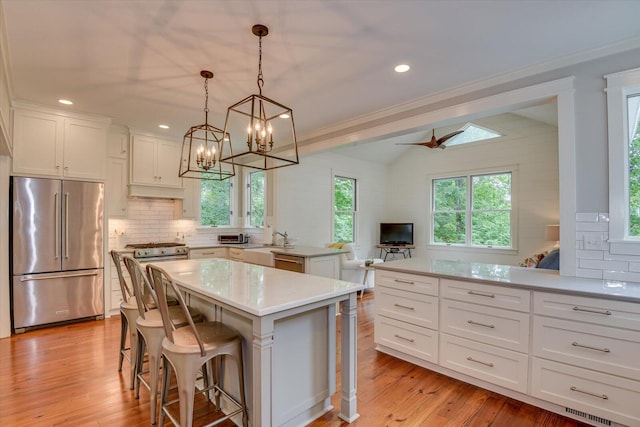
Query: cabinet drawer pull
{"points": [[604, 350], [404, 306], [471, 359], [590, 310], [601, 396], [486, 325], [481, 294], [404, 338], [408, 282]]}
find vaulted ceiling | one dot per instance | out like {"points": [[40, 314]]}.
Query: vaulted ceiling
{"points": [[138, 61]]}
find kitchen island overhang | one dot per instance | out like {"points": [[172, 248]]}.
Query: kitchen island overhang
{"points": [[288, 324]]}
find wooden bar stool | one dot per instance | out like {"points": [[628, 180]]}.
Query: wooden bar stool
{"points": [[186, 349], [151, 330], [128, 316]]}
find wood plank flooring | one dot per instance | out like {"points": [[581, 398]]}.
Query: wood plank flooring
{"points": [[67, 376]]}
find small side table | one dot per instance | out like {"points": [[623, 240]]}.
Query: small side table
{"points": [[405, 250], [367, 269]]}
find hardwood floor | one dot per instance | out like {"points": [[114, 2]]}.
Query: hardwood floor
{"points": [[67, 376]]}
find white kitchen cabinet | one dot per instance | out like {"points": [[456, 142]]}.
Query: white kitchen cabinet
{"points": [[208, 253], [323, 266], [586, 355], [116, 188], [153, 168], [407, 314], [189, 206], [118, 145], [53, 145], [5, 110]]}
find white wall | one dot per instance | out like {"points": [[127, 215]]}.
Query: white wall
{"points": [[303, 199], [529, 145]]}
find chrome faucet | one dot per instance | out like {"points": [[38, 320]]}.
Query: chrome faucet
{"points": [[285, 236]]}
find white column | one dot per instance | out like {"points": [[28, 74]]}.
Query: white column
{"points": [[5, 303], [260, 412], [348, 410]]}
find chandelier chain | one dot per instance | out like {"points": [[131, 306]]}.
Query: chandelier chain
{"points": [[206, 95], [260, 78]]}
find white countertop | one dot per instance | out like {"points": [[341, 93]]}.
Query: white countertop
{"points": [[252, 288], [532, 278]]}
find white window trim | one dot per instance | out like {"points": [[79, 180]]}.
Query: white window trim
{"points": [[619, 85], [513, 169], [356, 221], [246, 178]]}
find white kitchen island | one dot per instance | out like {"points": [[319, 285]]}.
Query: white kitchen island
{"points": [[288, 323]]}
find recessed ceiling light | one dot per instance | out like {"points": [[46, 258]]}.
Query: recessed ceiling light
{"points": [[402, 68], [163, 126], [65, 102], [284, 116]]}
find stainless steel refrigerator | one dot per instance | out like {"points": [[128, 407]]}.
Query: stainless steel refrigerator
{"points": [[57, 251]]}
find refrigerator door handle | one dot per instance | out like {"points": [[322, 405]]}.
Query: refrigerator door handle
{"points": [[59, 276], [66, 225], [57, 225]]}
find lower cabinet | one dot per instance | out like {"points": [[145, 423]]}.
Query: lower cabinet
{"points": [[578, 356]]}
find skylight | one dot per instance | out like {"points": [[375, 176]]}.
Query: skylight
{"points": [[473, 133]]}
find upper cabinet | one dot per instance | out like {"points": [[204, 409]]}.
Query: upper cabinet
{"points": [[54, 145], [154, 167], [5, 98]]}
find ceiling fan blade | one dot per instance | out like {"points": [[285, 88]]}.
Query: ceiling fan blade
{"points": [[448, 136], [411, 143]]}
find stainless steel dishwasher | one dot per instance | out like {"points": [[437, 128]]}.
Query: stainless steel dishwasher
{"points": [[289, 262]]}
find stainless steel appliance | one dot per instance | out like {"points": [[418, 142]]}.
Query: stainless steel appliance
{"points": [[237, 238], [289, 262], [149, 252], [56, 251]]}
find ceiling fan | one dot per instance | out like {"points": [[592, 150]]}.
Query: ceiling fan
{"points": [[434, 143]]}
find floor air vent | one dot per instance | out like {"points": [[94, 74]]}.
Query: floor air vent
{"points": [[600, 420]]}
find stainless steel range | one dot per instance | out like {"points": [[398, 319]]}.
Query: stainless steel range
{"points": [[167, 251]]}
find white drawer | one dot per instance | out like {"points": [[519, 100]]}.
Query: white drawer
{"points": [[611, 350], [601, 395], [406, 338], [208, 253], [418, 309], [504, 328], [493, 296], [499, 366], [604, 312], [407, 282]]}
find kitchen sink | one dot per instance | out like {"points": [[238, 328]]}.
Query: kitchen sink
{"points": [[260, 256]]}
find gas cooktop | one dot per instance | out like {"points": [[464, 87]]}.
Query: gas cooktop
{"points": [[153, 245]]}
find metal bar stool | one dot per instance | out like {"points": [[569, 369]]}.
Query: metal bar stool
{"points": [[151, 330], [128, 316], [186, 349]]}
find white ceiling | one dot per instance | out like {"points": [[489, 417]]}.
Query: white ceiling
{"points": [[138, 61]]}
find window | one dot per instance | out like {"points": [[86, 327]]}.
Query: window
{"points": [[344, 209], [472, 133], [255, 197], [215, 203], [623, 110], [473, 210]]}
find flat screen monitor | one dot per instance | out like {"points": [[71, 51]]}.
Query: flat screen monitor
{"points": [[396, 233]]}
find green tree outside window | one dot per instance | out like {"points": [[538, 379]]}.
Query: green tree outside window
{"points": [[215, 202], [344, 210], [473, 210], [256, 188]]}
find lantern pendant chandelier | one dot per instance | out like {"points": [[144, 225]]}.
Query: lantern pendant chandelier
{"points": [[271, 136], [201, 147]]}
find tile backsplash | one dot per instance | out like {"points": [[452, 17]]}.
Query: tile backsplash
{"points": [[593, 258], [152, 220]]}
